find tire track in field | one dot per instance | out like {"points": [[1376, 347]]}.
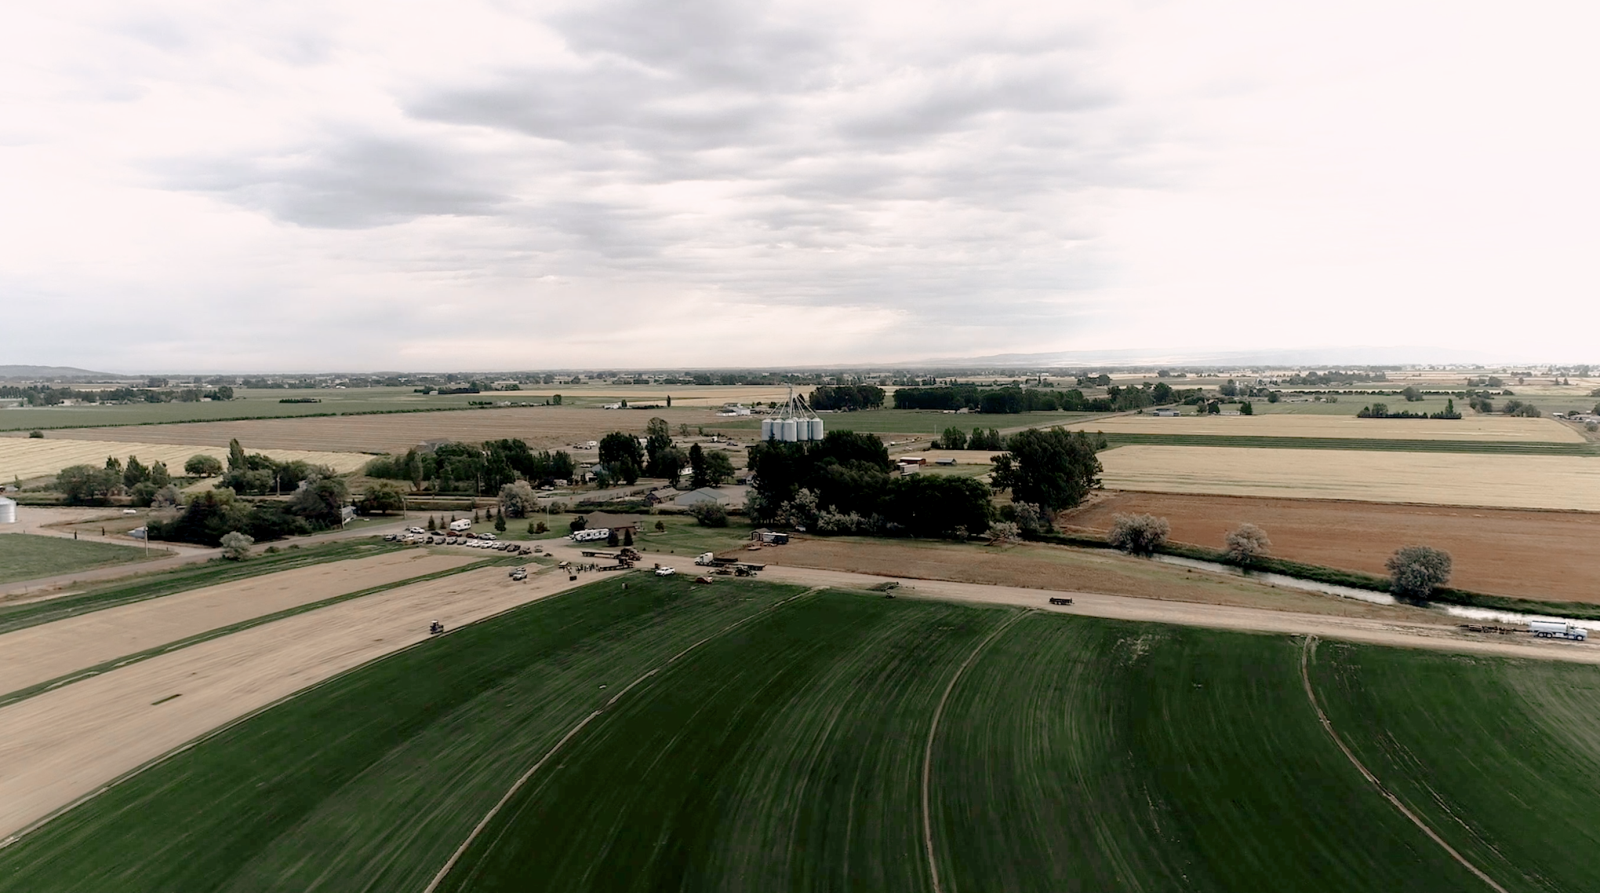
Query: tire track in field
{"points": [[927, 751], [534, 769], [1305, 677]]}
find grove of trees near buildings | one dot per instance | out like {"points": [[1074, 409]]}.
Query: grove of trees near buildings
{"points": [[1051, 468], [481, 468]]}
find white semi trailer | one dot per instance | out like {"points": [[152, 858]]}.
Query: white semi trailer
{"points": [[1557, 629]]}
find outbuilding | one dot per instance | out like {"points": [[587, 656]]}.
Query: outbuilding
{"points": [[8, 510]]}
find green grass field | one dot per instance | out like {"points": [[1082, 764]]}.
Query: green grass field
{"points": [[211, 573], [26, 556], [746, 736], [247, 404]]}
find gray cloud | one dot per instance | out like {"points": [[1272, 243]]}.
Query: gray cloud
{"points": [[348, 181]]}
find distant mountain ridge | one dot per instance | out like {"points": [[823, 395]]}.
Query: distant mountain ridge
{"points": [[49, 372]]}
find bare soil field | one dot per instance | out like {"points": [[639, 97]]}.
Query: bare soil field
{"points": [[27, 457], [1537, 555], [41, 653], [542, 427], [1536, 482], [1030, 566], [1487, 427], [66, 744]]}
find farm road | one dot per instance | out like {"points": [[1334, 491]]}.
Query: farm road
{"points": [[52, 650], [67, 744], [1118, 607]]}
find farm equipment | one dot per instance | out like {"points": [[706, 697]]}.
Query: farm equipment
{"points": [[435, 628], [1060, 601]]}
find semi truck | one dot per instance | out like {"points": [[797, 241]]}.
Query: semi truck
{"points": [[1557, 629]]}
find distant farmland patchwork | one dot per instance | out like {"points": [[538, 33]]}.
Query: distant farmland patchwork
{"points": [[758, 737]]}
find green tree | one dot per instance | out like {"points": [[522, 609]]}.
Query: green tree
{"points": [[500, 522], [159, 474], [432, 524], [697, 467], [382, 498], [1415, 571], [627, 538], [518, 499], [134, 472], [36, 434], [84, 483], [611, 538], [1051, 468], [709, 514], [617, 446], [201, 465], [1138, 534], [321, 501], [1246, 409], [236, 457], [719, 468]]}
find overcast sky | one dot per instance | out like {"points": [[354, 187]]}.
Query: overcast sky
{"points": [[237, 186]]}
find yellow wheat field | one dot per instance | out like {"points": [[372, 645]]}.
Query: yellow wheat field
{"points": [[1490, 428], [1543, 482], [26, 457]]}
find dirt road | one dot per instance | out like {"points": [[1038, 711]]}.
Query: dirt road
{"points": [[66, 744], [52, 650], [1404, 634]]}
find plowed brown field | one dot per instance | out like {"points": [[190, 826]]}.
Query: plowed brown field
{"points": [[541, 426], [1529, 554]]}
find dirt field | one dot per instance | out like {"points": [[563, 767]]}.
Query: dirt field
{"points": [[27, 457], [1538, 482], [1053, 567], [41, 653], [1405, 633], [1489, 427], [542, 427], [1539, 555], [64, 745]]}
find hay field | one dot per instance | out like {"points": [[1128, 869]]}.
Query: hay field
{"points": [[1490, 428], [1539, 482], [28, 457]]}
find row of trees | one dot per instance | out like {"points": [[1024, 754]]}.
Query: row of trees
{"points": [[623, 458], [1381, 411], [955, 439], [45, 395], [847, 397], [209, 516], [481, 468], [145, 484], [1414, 571]]}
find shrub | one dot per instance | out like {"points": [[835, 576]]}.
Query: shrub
{"points": [[1004, 532], [236, 545], [1246, 543], [143, 493], [835, 523], [709, 514], [1138, 534], [660, 526], [36, 433], [541, 527], [1415, 571]]}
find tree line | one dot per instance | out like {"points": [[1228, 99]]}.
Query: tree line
{"points": [[45, 395], [480, 468], [846, 397]]}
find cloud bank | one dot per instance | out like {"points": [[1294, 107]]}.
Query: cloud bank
{"points": [[227, 186]]}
